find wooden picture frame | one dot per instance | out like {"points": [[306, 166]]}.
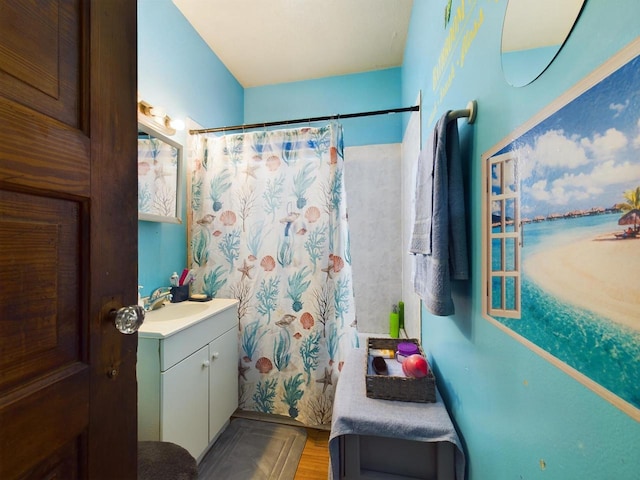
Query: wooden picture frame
{"points": [[559, 271]]}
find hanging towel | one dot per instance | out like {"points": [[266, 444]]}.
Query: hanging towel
{"points": [[439, 239]]}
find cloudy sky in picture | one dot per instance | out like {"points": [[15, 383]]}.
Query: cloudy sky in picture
{"points": [[587, 154]]}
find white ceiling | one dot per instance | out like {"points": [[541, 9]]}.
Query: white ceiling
{"points": [[264, 42], [542, 23]]}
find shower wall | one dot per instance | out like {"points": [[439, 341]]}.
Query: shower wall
{"points": [[374, 202], [410, 153]]}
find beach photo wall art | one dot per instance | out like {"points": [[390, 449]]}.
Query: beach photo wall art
{"points": [[561, 232]]}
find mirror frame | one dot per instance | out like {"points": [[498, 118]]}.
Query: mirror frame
{"points": [[515, 19], [175, 216]]}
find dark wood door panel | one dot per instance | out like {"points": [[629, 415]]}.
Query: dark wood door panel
{"points": [[64, 464], [55, 410], [68, 225], [40, 55], [39, 152], [41, 309]]}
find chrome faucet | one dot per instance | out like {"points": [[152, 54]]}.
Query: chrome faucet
{"points": [[157, 298]]}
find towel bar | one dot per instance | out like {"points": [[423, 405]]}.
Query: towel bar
{"points": [[470, 112]]}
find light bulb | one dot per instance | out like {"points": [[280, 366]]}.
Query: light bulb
{"points": [[177, 124]]}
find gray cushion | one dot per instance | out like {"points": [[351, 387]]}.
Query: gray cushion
{"points": [[165, 461]]}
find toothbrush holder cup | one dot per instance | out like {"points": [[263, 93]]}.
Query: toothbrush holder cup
{"points": [[179, 294]]}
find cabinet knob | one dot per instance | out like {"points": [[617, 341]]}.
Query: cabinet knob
{"points": [[205, 364], [215, 355]]}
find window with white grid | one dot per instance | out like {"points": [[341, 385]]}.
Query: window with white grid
{"points": [[504, 234]]}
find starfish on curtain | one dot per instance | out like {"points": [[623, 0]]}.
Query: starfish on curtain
{"points": [[326, 379], [242, 370], [328, 270], [250, 171], [245, 270]]}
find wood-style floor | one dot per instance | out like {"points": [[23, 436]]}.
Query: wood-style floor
{"points": [[314, 463]]}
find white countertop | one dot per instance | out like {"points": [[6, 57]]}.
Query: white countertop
{"points": [[174, 317]]}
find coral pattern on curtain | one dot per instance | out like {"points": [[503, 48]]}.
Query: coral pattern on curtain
{"points": [[269, 228]]}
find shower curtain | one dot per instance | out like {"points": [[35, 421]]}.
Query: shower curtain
{"points": [[269, 228]]}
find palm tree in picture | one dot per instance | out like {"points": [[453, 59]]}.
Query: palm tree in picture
{"points": [[632, 198], [631, 210]]}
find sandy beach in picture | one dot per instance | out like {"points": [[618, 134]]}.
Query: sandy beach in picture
{"points": [[598, 274]]}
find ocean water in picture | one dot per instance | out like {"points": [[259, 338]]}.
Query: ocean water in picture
{"points": [[569, 179], [603, 350]]}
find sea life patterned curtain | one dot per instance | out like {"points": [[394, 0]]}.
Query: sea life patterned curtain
{"points": [[269, 228]]}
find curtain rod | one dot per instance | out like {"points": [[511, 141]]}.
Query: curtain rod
{"points": [[414, 108]]}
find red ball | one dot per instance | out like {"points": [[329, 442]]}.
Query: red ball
{"points": [[415, 366]]}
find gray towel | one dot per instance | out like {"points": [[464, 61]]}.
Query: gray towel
{"points": [[356, 414], [439, 234]]}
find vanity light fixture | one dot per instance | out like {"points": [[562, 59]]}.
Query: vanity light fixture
{"points": [[156, 118], [178, 124]]}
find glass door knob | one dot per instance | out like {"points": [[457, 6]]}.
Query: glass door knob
{"points": [[128, 319]]}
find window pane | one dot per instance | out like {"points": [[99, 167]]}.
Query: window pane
{"points": [[496, 292], [509, 172], [496, 179], [496, 255], [497, 209], [510, 287], [510, 215], [510, 254]]}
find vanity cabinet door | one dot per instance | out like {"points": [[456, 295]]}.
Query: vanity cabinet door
{"points": [[185, 402], [223, 380]]}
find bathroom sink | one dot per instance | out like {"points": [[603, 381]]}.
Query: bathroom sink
{"points": [[176, 311], [175, 317]]}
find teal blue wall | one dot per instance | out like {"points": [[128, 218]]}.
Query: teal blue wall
{"points": [[514, 410], [362, 92], [523, 66], [178, 71]]}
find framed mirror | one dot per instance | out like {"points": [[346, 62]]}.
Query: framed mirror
{"points": [[159, 177], [533, 32]]}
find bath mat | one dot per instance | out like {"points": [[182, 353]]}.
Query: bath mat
{"points": [[254, 450]]}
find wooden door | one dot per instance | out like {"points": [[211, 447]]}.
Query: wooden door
{"points": [[68, 238]]}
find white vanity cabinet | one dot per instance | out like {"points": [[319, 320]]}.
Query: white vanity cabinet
{"points": [[184, 403], [188, 375], [223, 381]]}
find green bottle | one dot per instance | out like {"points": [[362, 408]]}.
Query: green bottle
{"points": [[401, 312], [394, 323]]}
